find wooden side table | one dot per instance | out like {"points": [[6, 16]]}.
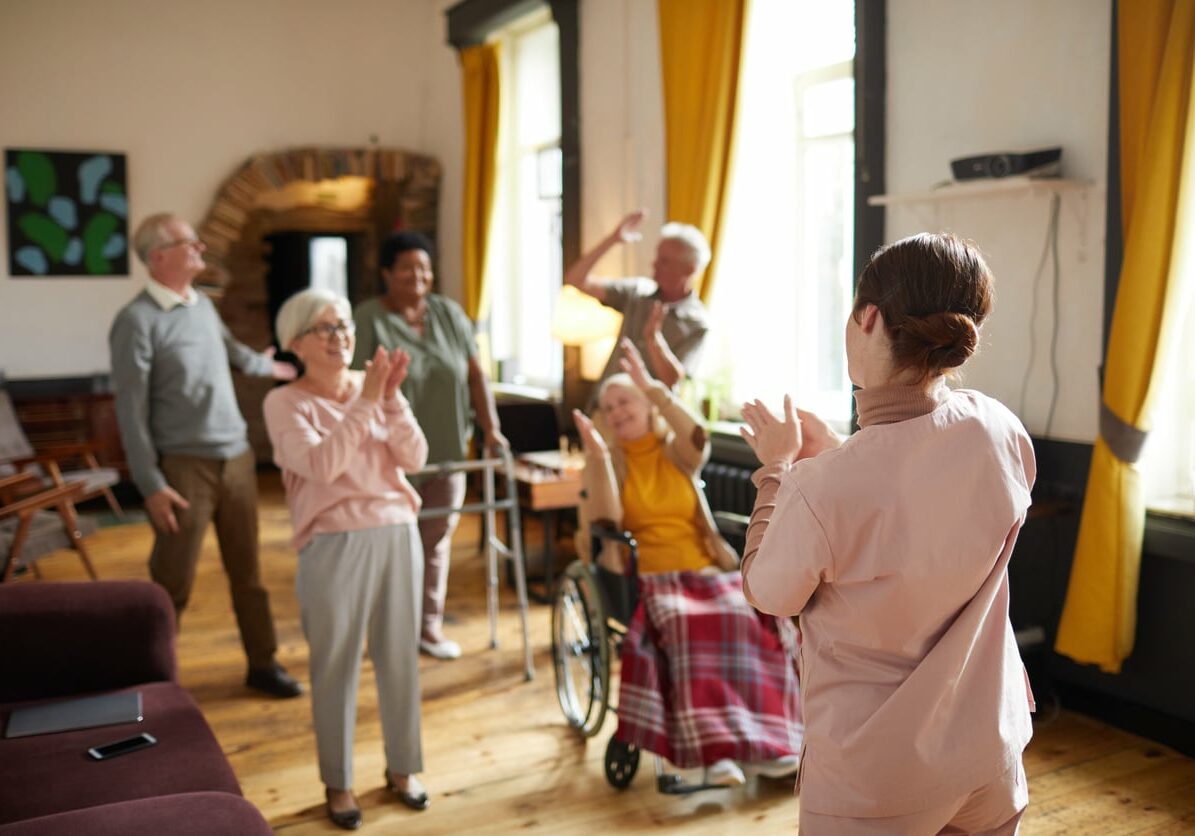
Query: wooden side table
{"points": [[547, 484]]}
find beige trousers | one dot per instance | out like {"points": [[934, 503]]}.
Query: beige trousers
{"points": [[436, 534], [992, 810]]}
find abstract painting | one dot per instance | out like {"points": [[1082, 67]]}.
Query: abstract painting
{"points": [[67, 213]]}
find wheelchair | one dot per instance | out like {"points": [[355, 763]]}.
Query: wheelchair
{"points": [[591, 610]]}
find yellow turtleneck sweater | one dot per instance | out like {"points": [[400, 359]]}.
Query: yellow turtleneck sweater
{"points": [[660, 509]]}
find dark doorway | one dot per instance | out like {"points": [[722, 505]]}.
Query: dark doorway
{"points": [[298, 260]]}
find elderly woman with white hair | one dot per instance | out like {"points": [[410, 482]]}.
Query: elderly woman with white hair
{"points": [[345, 441], [706, 681]]}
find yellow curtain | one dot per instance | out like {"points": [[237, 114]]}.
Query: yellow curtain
{"points": [[479, 76], [1156, 43], [701, 46]]}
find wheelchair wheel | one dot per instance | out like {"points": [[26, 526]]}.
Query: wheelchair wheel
{"points": [[580, 650], [622, 762]]}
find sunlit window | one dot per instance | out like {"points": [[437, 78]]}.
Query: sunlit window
{"points": [[329, 264], [1168, 462], [526, 252], [785, 277]]}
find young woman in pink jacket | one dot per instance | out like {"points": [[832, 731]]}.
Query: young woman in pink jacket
{"points": [[892, 546]]}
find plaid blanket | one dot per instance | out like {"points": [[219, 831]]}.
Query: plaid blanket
{"points": [[705, 676]]}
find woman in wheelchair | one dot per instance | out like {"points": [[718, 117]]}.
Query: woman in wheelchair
{"points": [[706, 681]]}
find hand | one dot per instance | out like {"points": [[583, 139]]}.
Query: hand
{"points": [[816, 435], [377, 371], [280, 370], [591, 440], [400, 363], [495, 440], [655, 320], [772, 440], [631, 362], [160, 507], [627, 230]]}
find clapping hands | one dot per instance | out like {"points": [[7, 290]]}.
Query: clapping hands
{"points": [[385, 373], [800, 435], [773, 440]]}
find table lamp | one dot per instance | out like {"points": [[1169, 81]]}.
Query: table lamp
{"points": [[580, 320]]}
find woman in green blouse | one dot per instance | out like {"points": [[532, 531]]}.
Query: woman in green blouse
{"points": [[445, 386]]}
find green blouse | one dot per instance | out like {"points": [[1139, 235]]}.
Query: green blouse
{"points": [[437, 383]]}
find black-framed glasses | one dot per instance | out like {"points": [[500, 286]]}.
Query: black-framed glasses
{"points": [[326, 330]]}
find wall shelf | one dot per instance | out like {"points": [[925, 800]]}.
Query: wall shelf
{"points": [[1005, 186]]}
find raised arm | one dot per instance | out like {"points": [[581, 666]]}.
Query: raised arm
{"points": [[665, 367], [787, 555], [579, 273], [690, 440], [405, 438]]}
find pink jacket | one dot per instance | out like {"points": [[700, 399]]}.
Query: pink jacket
{"points": [[343, 464], [893, 549]]}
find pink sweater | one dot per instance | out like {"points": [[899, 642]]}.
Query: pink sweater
{"points": [[893, 549], [343, 464]]}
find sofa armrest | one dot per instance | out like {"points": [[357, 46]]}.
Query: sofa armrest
{"points": [[70, 638]]}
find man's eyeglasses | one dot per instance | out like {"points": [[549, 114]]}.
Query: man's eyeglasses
{"points": [[326, 330], [182, 242]]}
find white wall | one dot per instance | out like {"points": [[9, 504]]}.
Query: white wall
{"points": [[190, 91], [622, 128], [964, 77]]}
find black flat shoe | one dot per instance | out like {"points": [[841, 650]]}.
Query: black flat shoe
{"points": [[274, 681], [345, 819], [415, 802]]}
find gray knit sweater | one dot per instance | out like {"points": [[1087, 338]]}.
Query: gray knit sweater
{"points": [[173, 386]]}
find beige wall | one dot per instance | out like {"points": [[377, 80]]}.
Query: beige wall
{"points": [[968, 76], [188, 91]]}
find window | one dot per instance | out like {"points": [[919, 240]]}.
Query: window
{"points": [[329, 256], [786, 253], [1168, 461], [526, 259]]}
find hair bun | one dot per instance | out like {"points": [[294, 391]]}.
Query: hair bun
{"points": [[947, 338]]}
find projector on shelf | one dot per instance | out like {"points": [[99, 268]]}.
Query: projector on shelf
{"points": [[1044, 162]]}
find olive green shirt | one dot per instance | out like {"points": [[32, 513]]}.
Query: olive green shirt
{"points": [[437, 384]]}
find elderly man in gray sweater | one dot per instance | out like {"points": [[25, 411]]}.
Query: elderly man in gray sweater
{"points": [[184, 436]]}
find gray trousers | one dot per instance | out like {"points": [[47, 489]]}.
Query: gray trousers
{"points": [[353, 586]]}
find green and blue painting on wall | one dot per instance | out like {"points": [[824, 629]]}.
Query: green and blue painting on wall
{"points": [[67, 213]]}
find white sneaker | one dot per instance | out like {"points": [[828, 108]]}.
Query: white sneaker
{"points": [[725, 773], [443, 649], [776, 768]]}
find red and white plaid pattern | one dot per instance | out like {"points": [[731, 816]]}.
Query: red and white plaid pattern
{"points": [[705, 676]]}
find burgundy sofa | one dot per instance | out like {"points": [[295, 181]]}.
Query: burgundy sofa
{"points": [[63, 640]]}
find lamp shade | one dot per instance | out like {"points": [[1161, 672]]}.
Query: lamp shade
{"points": [[579, 319]]}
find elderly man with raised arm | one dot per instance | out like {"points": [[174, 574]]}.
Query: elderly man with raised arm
{"points": [[184, 436], [662, 316]]}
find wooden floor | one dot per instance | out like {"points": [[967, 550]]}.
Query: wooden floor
{"points": [[498, 755]]}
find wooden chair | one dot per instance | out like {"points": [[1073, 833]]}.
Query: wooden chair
{"points": [[33, 525], [49, 464]]}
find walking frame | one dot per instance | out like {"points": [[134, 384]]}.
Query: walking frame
{"points": [[493, 546]]}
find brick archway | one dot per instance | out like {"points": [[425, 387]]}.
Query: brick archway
{"points": [[407, 186]]}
